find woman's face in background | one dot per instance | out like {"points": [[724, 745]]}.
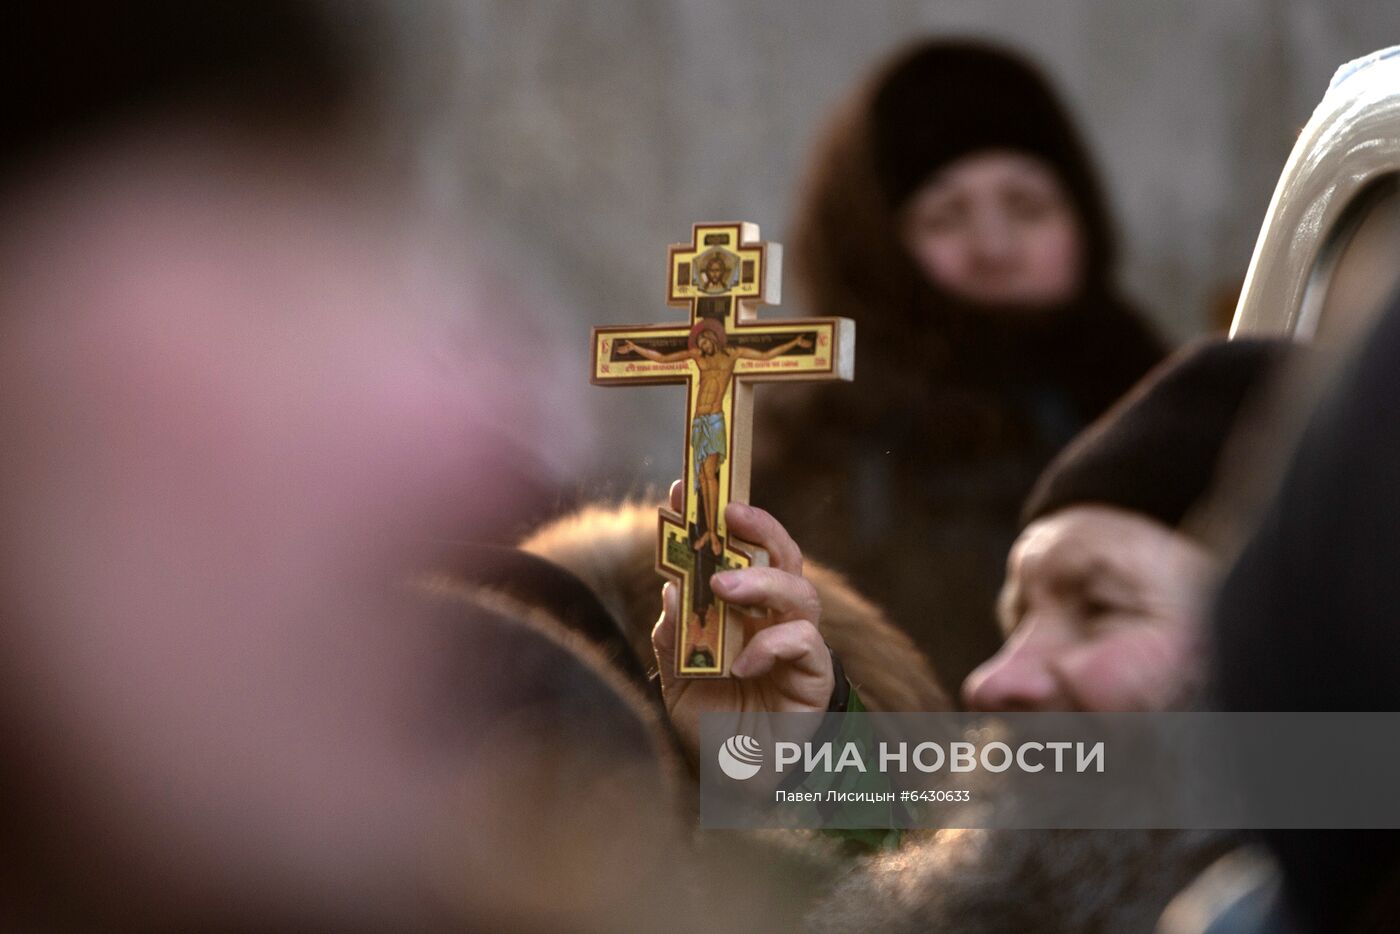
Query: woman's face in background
{"points": [[996, 228]]}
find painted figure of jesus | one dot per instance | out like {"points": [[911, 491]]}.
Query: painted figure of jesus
{"points": [[716, 273], [708, 346]]}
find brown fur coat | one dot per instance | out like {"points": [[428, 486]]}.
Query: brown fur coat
{"points": [[612, 549]]}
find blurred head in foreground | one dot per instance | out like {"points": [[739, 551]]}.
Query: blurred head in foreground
{"points": [[244, 402]]}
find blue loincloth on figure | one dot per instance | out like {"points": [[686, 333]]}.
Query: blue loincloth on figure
{"points": [[707, 436]]}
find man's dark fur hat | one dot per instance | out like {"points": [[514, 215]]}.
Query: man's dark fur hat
{"points": [[1156, 452]]}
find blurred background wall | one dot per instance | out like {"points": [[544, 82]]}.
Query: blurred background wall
{"points": [[580, 138]]}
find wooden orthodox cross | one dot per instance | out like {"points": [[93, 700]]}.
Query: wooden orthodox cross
{"points": [[722, 275]]}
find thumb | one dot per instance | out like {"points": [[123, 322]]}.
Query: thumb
{"points": [[663, 636]]}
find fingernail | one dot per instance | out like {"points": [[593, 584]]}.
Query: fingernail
{"points": [[724, 579], [738, 669], [742, 509]]}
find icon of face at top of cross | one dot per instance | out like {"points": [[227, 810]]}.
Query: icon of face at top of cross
{"points": [[722, 276]]}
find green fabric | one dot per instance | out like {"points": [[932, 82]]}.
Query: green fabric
{"points": [[878, 834]]}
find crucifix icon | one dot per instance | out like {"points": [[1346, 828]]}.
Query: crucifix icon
{"points": [[722, 276]]}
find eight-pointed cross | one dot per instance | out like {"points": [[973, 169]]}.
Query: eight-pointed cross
{"points": [[723, 275]]}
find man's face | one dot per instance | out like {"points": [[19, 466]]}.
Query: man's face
{"points": [[707, 345], [714, 271], [1102, 611]]}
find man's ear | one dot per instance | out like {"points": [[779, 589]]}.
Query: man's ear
{"points": [[1008, 606]]}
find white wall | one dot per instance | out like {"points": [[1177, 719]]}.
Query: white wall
{"points": [[583, 137]]}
